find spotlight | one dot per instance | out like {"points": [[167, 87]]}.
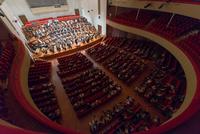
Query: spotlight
{"points": [[148, 5], [2, 14], [161, 6]]}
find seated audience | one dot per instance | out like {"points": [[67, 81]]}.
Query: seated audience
{"points": [[42, 90], [101, 52], [72, 64], [125, 117], [164, 90], [7, 54], [125, 66], [4, 113], [89, 90]]}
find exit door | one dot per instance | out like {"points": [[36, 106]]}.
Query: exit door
{"points": [[100, 29], [23, 19]]}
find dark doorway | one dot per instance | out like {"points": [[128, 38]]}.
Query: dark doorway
{"points": [[77, 11], [23, 19], [100, 29]]}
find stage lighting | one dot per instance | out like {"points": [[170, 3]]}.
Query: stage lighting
{"points": [[164, 4], [148, 5], [161, 6], [1, 13]]}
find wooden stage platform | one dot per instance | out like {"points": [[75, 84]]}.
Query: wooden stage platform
{"points": [[67, 52]]}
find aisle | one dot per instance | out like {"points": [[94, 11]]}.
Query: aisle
{"points": [[69, 118]]}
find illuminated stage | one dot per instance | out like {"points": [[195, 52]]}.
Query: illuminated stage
{"points": [[63, 52]]}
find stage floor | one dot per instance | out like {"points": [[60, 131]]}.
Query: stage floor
{"points": [[63, 52]]}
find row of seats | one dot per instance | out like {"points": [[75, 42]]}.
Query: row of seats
{"points": [[140, 47], [89, 90], [147, 50], [166, 65], [182, 30], [42, 90], [165, 87], [101, 52], [179, 26], [192, 46], [6, 56], [1, 48], [125, 66], [165, 62], [72, 64], [39, 72], [125, 117], [4, 113], [115, 41], [163, 90], [158, 22]]}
